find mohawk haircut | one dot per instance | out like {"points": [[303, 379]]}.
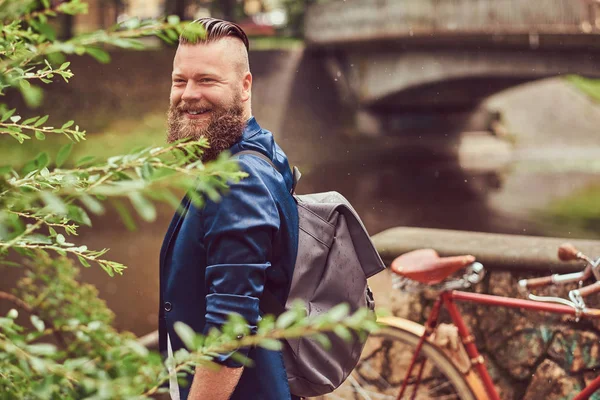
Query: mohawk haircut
{"points": [[217, 29]]}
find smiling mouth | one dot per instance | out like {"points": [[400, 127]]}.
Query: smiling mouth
{"points": [[196, 112]]}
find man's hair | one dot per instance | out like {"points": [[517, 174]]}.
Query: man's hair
{"points": [[217, 29]]}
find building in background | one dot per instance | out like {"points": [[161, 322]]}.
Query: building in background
{"points": [[257, 17]]}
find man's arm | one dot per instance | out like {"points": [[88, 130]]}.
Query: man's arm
{"points": [[217, 384], [238, 235]]}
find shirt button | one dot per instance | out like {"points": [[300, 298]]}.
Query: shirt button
{"points": [[168, 306]]}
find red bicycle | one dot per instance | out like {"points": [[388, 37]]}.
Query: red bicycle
{"points": [[406, 360]]}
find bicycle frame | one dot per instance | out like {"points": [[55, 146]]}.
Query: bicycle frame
{"points": [[448, 298]]}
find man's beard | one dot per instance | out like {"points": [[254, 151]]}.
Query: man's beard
{"points": [[224, 128]]}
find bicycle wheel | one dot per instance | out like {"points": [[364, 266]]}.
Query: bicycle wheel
{"points": [[382, 370]]}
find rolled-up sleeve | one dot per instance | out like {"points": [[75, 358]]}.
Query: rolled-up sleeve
{"points": [[238, 235]]}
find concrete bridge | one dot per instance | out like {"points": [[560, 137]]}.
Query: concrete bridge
{"points": [[391, 56]]}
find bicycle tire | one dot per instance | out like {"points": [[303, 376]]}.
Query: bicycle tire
{"points": [[370, 381]]}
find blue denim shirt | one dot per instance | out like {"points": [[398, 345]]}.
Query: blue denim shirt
{"points": [[218, 259]]}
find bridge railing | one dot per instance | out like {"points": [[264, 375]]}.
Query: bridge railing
{"points": [[360, 20]]}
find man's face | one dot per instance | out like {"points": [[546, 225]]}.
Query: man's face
{"points": [[209, 92]]}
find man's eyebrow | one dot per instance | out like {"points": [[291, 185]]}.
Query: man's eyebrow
{"points": [[199, 75]]}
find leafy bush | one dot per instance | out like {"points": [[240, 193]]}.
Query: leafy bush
{"points": [[58, 342]]}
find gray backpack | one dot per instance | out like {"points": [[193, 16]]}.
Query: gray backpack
{"points": [[335, 258]]}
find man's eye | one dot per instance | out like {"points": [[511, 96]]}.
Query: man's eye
{"points": [[178, 81], [205, 80]]}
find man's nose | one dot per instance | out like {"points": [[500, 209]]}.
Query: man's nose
{"points": [[192, 92]]}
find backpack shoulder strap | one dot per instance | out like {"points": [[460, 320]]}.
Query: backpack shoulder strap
{"points": [[296, 171], [257, 154]]}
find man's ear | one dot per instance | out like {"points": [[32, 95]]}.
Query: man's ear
{"points": [[247, 86]]}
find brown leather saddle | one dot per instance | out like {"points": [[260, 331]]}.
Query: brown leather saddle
{"points": [[426, 266]]}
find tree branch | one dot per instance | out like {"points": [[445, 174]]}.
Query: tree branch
{"points": [[23, 305]]}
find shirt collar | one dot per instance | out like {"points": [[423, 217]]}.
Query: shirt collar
{"points": [[251, 129]]}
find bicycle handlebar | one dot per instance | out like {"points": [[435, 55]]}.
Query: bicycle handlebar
{"points": [[536, 282], [566, 252], [589, 289]]}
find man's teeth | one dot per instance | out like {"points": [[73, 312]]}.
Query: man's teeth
{"points": [[196, 112]]}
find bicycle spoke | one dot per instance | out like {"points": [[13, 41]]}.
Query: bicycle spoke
{"points": [[358, 388], [381, 372]]}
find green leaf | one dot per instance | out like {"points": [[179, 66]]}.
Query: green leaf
{"points": [[121, 176], [242, 359], [173, 19], [42, 349], [147, 171], [73, 8], [84, 262], [338, 312], [144, 207], [193, 32], [92, 204], [107, 269], [60, 239], [286, 319], [186, 334], [131, 23], [38, 365], [30, 120], [323, 340], [32, 95], [356, 319], [29, 167], [41, 121], [45, 29], [39, 135], [85, 160], [78, 215], [172, 34], [7, 115], [124, 214], [164, 38], [137, 348], [42, 160], [37, 323], [270, 344], [67, 124], [342, 332], [12, 314], [5, 323], [266, 324], [371, 326], [128, 43], [6, 169], [63, 154], [99, 54], [54, 203], [64, 66], [9, 263]]}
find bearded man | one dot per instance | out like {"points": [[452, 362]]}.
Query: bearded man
{"points": [[219, 259]]}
